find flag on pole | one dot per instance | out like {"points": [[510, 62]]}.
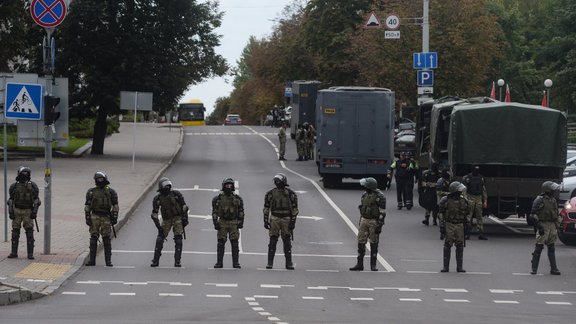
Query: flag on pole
{"points": [[507, 94], [544, 101], [493, 92]]}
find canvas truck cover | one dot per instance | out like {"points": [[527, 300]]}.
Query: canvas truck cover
{"points": [[435, 116], [507, 134]]}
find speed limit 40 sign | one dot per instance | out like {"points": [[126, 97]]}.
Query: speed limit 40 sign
{"points": [[392, 22]]}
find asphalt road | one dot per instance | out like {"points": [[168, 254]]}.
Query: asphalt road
{"points": [[408, 288]]}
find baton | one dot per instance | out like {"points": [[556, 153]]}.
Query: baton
{"points": [[36, 222], [114, 231], [184, 232]]}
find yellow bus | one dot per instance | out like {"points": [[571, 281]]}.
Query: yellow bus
{"points": [[191, 113]]}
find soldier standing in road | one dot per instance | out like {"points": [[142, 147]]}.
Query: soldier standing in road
{"points": [[23, 209], [442, 186], [174, 216], [228, 218], [429, 195], [101, 211], [310, 139], [453, 210], [546, 221], [477, 196], [280, 212], [404, 176], [301, 143], [372, 215], [282, 140]]}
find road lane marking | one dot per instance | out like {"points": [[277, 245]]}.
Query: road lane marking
{"points": [[273, 319], [188, 284], [398, 288], [170, 295], [362, 298], [253, 303], [78, 293], [410, 299], [89, 282], [456, 300], [275, 286], [526, 274], [258, 309], [218, 296], [312, 298], [249, 298], [266, 296], [506, 302], [451, 290], [360, 289], [135, 283], [505, 291], [342, 215], [558, 303], [265, 313], [123, 294], [228, 285]]}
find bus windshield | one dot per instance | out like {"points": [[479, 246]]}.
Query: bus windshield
{"points": [[191, 111]]}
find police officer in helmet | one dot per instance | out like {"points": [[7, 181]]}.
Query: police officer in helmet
{"points": [[547, 221], [228, 218], [453, 213]]}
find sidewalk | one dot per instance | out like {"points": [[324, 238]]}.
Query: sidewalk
{"points": [[22, 279]]}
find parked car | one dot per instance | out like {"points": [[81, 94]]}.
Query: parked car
{"points": [[233, 119], [567, 232], [405, 141], [567, 188]]}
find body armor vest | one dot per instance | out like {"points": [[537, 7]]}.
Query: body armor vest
{"points": [[548, 212], [101, 201], [402, 168], [23, 195], [431, 177], [456, 210], [474, 184], [369, 208], [228, 206], [280, 204], [169, 206]]}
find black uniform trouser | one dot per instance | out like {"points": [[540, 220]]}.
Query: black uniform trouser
{"points": [[404, 188]]}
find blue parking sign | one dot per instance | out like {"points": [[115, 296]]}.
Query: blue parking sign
{"points": [[425, 78], [23, 101]]}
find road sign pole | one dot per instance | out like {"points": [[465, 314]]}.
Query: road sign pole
{"points": [[47, 153], [134, 131], [5, 184]]}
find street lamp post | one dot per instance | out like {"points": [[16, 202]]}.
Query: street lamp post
{"points": [[548, 85], [500, 85]]}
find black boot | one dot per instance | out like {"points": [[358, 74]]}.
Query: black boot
{"points": [[435, 218], [552, 257], [15, 240], [271, 251], [30, 243], [482, 237], [373, 256], [235, 254], [447, 252], [426, 220], [459, 257], [536, 258], [157, 251], [93, 248], [288, 252], [177, 250], [360, 259], [220, 254], [107, 251]]}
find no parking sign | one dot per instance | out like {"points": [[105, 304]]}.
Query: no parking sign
{"points": [[48, 13]]}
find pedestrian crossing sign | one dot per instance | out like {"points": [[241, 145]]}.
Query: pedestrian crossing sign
{"points": [[23, 101]]}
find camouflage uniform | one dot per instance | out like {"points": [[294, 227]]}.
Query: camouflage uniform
{"points": [[301, 143], [310, 139], [282, 140], [372, 213], [101, 212], [23, 203], [174, 216], [546, 221], [477, 196], [228, 218], [429, 180], [453, 210], [280, 212], [442, 189]]}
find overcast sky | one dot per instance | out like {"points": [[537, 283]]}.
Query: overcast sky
{"points": [[242, 19]]}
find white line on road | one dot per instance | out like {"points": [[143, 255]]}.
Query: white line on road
{"points": [[136, 283], [266, 296], [409, 299], [170, 295], [456, 300], [258, 309], [123, 294], [275, 286], [264, 313], [361, 289], [398, 288], [249, 298], [451, 290], [229, 285], [312, 298], [218, 296], [124, 267], [550, 293], [526, 274], [273, 319], [180, 284], [506, 302], [505, 291], [557, 303], [89, 282], [361, 298], [253, 303], [342, 215], [79, 293]]}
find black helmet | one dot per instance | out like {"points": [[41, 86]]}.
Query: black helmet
{"points": [[24, 173], [369, 183], [101, 179], [549, 186], [228, 181], [456, 187], [164, 183], [280, 180]]}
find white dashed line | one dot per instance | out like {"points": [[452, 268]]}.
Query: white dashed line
{"points": [[456, 300], [170, 295], [266, 296], [318, 288], [312, 298], [188, 284], [136, 283], [362, 298], [38, 280], [397, 288], [123, 294], [506, 302], [361, 289], [264, 313], [504, 291], [249, 298], [557, 303], [228, 285], [451, 290], [253, 303], [78, 293], [219, 296], [275, 286], [409, 299], [258, 309], [273, 319], [90, 282], [550, 293]]}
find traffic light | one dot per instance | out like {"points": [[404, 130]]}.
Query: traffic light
{"points": [[50, 114]]}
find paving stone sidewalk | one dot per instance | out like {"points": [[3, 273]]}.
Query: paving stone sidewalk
{"points": [[21, 279]]}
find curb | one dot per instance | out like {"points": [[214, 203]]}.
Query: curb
{"points": [[13, 294]]}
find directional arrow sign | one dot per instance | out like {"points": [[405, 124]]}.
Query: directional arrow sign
{"points": [[425, 60]]}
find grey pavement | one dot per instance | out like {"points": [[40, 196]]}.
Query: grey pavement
{"points": [[155, 147]]}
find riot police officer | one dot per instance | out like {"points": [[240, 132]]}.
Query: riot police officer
{"points": [[301, 142], [453, 211], [477, 196], [442, 186], [174, 217], [228, 218], [101, 211], [282, 142], [23, 206], [372, 215], [403, 170], [280, 212], [428, 198], [547, 221]]}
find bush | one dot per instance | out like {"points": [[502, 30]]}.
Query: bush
{"points": [[84, 128]]}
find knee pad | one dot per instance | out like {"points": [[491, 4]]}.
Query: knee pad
{"points": [[178, 238], [274, 239]]}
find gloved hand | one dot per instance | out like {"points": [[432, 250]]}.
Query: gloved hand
{"points": [[241, 224], [185, 221], [157, 224], [33, 215], [88, 221], [114, 220], [217, 226], [541, 231], [292, 225], [11, 215], [267, 225], [378, 229]]}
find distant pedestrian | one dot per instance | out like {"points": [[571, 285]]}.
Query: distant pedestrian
{"points": [[428, 198], [310, 140], [23, 206], [101, 211], [453, 211], [478, 197], [228, 218], [372, 214], [282, 141], [280, 212], [546, 221], [174, 213]]}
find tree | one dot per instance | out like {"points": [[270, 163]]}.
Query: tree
{"points": [[153, 45]]}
